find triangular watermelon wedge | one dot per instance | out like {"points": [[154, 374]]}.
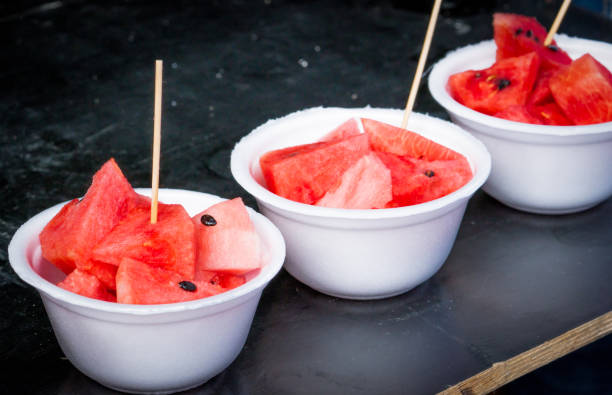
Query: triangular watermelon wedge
{"points": [[347, 129], [226, 240], [583, 91], [388, 138], [140, 283], [507, 83], [69, 238], [306, 172], [517, 35], [169, 244]]}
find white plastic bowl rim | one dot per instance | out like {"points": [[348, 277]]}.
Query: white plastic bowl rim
{"points": [[483, 55], [242, 159], [21, 242]]}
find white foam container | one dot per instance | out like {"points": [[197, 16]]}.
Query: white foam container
{"points": [[359, 254], [148, 348], [536, 168]]}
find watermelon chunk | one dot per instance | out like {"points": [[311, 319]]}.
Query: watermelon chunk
{"points": [[140, 283], [388, 138], [507, 83], [169, 243], [418, 181], [365, 185], [519, 114], [226, 240], [517, 35], [86, 284], [347, 129], [550, 114], [69, 238], [583, 91], [305, 173]]}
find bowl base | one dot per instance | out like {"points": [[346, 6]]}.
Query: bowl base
{"points": [[545, 211], [169, 391]]}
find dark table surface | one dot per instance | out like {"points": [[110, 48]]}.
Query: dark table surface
{"points": [[77, 88]]}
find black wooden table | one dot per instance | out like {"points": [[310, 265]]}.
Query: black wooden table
{"points": [[77, 88]]}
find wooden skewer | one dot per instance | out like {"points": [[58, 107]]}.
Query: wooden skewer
{"points": [[502, 373], [421, 64], [156, 139], [557, 22]]}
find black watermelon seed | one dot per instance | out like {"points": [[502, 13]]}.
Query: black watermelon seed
{"points": [[477, 75], [553, 48], [529, 33], [502, 83], [429, 173], [188, 286], [208, 220], [536, 39], [518, 31]]}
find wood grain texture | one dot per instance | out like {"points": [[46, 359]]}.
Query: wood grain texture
{"points": [[502, 373]]}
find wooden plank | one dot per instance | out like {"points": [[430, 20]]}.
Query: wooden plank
{"points": [[501, 373]]}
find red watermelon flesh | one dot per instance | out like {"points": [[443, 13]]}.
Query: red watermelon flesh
{"points": [[388, 138], [305, 173], [519, 114], [169, 243], [86, 284], [365, 185], [408, 185], [584, 91], [347, 129], [550, 114], [541, 93], [418, 181], [140, 283], [507, 83], [225, 280], [517, 35], [226, 240], [68, 240]]}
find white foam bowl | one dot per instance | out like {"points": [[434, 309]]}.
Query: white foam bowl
{"points": [[536, 168], [359, 254], [148, 348]]}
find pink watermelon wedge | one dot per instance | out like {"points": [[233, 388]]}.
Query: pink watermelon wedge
{"points": [[86, 284], [347, 129], [305, 173], [140, 283], [388, 138], [226, 240], [583, 91], [168, 244], [365, 185], [68, 239]]}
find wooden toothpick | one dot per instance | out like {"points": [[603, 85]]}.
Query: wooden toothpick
{"points": [[156, 139], [421, 64], [557, 22]]}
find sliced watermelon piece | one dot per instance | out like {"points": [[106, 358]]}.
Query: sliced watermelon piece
{"points": [[68, 239], [169, 243], [86, 284], [140, 283], [305, 173], [507, 83], [541, 94], [519, 114], [225, 280], [347, 129], [388, 138], [226, 240], [550, 114], [365, 185], [418, 180], [517, 35], [584, 91], [408, 184], [105, 273]]}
